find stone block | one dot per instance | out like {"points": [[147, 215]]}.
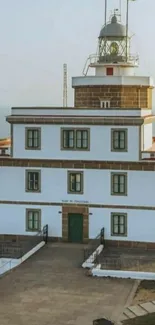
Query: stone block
{"points": [[137, 310], [149, 307], [129, 313]]}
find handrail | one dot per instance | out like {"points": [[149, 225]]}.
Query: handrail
{"points": [[94, 59], [41, 235], [92, 245], [8, 249], [45, 233], [147, 155]]}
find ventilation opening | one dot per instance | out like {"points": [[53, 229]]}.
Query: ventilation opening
{"points": [[105, 103]]}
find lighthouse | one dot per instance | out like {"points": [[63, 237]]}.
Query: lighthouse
{"points": [[87, 171], [115, 84]]}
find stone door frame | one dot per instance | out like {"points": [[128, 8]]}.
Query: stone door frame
{"points": [[79, 209]]}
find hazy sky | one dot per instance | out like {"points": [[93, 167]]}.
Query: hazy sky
{"points": [[38, 36]]}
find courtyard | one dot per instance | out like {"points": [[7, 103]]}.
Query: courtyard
{"points": [[51, 288]]}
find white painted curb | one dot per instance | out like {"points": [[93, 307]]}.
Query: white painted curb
{"points": [[32, 251], [89, 263], [97, 271], [9, 265], [122, 274]]}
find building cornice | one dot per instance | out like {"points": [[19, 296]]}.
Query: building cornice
{"points": [[87, 108], [118, 81], [79, 204], [82, 120], [78, 164]]}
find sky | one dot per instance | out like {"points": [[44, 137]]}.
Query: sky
{"points": [[38, 36]]}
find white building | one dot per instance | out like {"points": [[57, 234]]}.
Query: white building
{"points": [[90, 166]]}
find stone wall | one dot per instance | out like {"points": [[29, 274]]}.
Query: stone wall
{"points": [[119, 96], [129, 244]]}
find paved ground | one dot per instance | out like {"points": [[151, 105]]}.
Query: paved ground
{"points": [[51, 288]]}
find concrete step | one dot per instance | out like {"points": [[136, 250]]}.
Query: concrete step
{"points": [[148, 306], [137, 310], [123, 317], [129, 313]]}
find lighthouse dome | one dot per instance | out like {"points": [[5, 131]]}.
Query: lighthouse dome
{"points": [[113, 30]]}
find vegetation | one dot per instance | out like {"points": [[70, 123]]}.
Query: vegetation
{"points": [[143, 320], [147, 285]]}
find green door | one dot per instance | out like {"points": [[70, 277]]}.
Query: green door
{"points": [[75, 228]]}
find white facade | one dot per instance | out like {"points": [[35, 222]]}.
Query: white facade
{"points": [[140, 224], [15, 219], [112, 80], [147, 134], [97, 191], [97, 187], [137, 204], [58, 112], [133, 128], [117, 71], [100, 144]]}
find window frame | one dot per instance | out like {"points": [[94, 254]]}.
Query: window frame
{"points": [[125, 193], [75, 130], [69, 173], [27, 171], [27, 220], [27, 129], [125, 223], [125, 149], [63, 138], [105, 103]]}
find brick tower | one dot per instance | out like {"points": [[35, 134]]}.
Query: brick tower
{"points": [[115, 84]]}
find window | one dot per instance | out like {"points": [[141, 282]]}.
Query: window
{"points": [[33, 220], [33, 181], [119, 224], [81, 139], [33, 138], [118, 184], [105, 103], [110, 71], [68, 139], [75, 182], [75, 139], [119, 139]]}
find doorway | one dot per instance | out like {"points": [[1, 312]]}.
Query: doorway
{"points": [[75, 227]]}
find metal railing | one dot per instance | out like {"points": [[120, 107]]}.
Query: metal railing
{"points": [[35, 240], [45, 233], [10, 250], [147, 155], [94, 59], [19, 248], [93, 244]]}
